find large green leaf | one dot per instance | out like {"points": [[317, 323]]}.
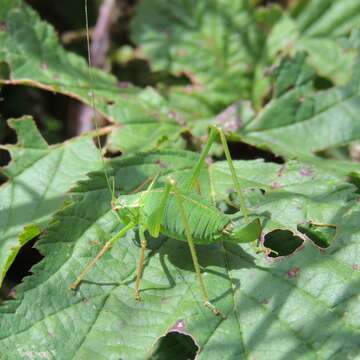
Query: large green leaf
{"points": [[31, 51], [215, 43], [301, 306], [225, 47], [318, 27], [39, 177], [299, 121], [287, 195]]}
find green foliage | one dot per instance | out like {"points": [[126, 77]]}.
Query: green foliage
{"points": [[318, 27], [258, 297], [225, 46], [31, 50], [39, 178], [212, 42], [308, 118], [262, 74]]}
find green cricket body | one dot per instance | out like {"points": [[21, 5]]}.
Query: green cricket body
{"points": [[179, 214], [158, 212]]}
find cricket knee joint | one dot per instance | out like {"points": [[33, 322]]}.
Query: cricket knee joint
{"points": [[113, 205], [213, 309]]}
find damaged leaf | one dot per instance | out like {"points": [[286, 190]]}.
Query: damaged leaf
{"points": [[39, 177], [303, 304]]}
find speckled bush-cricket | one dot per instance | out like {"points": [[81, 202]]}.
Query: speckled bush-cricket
{"points": [[179, 212]]}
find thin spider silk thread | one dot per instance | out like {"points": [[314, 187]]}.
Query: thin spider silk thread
{"points": [[92, 99]]}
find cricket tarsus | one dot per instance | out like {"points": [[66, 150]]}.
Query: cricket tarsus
{"points": [[213, 309]]}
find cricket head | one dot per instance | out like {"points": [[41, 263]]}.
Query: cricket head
{"points": [[128, 208]]}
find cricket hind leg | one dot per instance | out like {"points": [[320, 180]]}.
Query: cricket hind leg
{"points": [[216, 132], [140, 268], [190, 241], [235, 179]]}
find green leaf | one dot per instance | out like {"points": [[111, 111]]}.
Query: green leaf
{"points": [[304, 305], [215, 43], [301, 305], [34, 56], [39, 177], [149, 122], [318, 28], [292, 194], [226, 48], [300, 121]]}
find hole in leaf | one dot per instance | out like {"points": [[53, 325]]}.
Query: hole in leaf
{"points": [[27, 257], [110, 102], [4, 160], [109, 153], [242, 151], [4, 70], [139, 73], [175, 346], [320, 235], [282, 242], [354, 179], [322, 83], [47, 109]]}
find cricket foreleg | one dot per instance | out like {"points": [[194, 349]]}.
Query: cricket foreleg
{"points": [[103, 250]]}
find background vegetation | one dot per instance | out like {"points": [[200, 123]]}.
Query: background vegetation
{"points": [[281, 77]]}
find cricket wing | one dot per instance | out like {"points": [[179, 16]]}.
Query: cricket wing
{"points": [[206, 223]]}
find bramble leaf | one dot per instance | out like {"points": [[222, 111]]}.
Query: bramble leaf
{"points": [[39, 178], [265, 302], [318, 28], [300, 121], [292, 194], [291, 295], [32, 52], [227, 47], [215, 43]]}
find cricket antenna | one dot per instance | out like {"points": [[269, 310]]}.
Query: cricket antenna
{"points": [[91, 95]]}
